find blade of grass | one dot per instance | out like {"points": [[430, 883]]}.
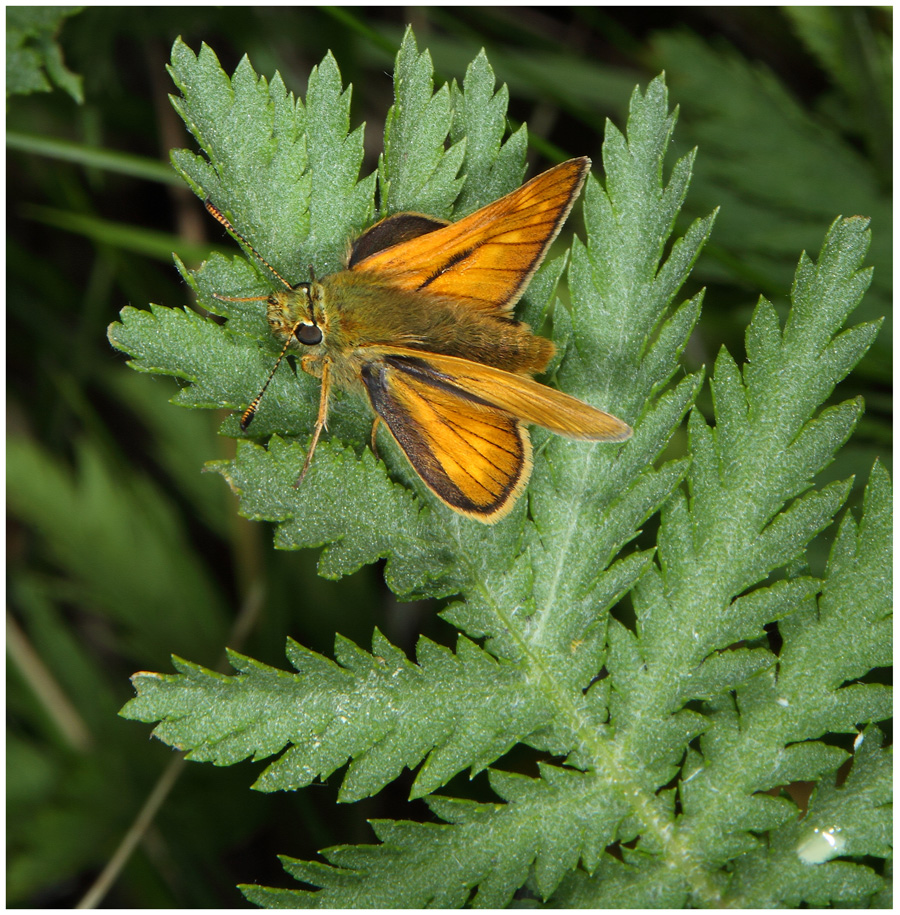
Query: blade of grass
{"points": [[93, 157]]}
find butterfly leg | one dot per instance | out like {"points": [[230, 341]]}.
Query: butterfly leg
{"points": [[321, 419]]}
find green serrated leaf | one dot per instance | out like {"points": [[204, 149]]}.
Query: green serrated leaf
{"points": [[380, 710], [416, 173], [680, 788], [491, 846], [493, 167], [851, 820]]}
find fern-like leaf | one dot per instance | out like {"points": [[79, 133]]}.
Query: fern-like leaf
{"points": [[554, 671]]}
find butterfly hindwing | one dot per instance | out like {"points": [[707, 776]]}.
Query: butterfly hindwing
{"points": [[474, 458], [515, 395]]}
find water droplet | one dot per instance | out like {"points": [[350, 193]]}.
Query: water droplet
{"points": [[821, 845]]}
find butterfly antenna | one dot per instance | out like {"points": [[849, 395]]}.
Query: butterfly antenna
{"points": [[219, 216], [250, 412]]}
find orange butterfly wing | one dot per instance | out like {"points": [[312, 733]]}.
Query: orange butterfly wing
{"points": [[517, 396], [486, 259], [474, 458], [460, 424]]}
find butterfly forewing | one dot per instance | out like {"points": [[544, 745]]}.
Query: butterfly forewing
{"points": [[486, 259], [395, 230]]}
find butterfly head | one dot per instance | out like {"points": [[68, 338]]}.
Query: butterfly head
{"points": [[297, 314]]}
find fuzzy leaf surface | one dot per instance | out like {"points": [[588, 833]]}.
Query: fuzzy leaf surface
{"points": [[554, 671]]}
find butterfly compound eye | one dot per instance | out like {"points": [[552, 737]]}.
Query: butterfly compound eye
{"points": [[308, 334]]}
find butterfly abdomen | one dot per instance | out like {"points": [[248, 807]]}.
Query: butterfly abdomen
{"points": [[502, 343]]}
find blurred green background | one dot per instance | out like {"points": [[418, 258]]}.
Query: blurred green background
{"points": [[120, 551]]}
